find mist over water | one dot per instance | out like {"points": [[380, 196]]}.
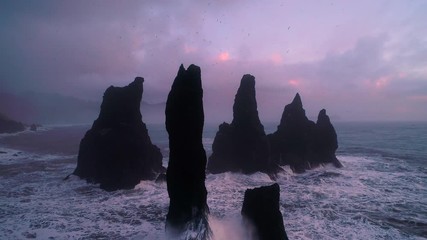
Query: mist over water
{"points": [[379, 194]]}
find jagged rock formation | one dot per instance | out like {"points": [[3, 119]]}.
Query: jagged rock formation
{"points": [[187, 160], [301, 143], [261, 208], [10, 126], [290, 143], [242, 145], [325, 141], [117, 151]]}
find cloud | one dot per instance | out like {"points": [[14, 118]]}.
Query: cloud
{"points": [[359, 60]]}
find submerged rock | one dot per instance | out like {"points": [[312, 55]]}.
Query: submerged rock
{"points": [[301, 143], [117, 151], [33, 127], [187, 159], [10, 126], [241, 146], [261, 207]]}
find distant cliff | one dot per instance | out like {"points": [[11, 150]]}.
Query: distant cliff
{"points": [[53, 108], [10, 126]]}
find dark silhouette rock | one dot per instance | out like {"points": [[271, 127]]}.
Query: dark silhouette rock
{"points": [[187, 159], [261, 207], [301, 143], [10, 126], [117, 151], [325, 141], [242, 145], [290, 143]]}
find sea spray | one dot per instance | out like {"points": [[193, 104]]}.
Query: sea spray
{"points": [[230, 227], [380, 193]]}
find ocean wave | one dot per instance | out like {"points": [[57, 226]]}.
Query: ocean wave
{"points": [[369, 198]]}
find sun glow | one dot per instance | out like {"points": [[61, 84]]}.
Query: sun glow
{"points": [[294, 82], [277, 59], [224, 56]]}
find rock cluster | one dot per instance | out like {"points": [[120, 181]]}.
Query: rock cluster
{"points": [[187, 159], [241, 146], [117, 151], [262, 209], [301, 143]]}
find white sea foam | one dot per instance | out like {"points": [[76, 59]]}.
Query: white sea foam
{"points": [[370, 198]]}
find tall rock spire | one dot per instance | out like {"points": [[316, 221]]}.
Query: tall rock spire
{"points": [[241, 145], [325, 141], [187, 159]]}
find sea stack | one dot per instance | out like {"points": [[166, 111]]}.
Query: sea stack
{"points": [[325, 141], [290, 143], [187, 159], [301, 143], [117, 151], [261, 207], [241, 146]]}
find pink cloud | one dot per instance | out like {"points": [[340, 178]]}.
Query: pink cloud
{"points": [[189, 48], [421, 98], [294, 82], [382, 82], [277, 59]]}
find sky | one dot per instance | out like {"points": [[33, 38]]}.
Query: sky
{"points": [[360, 60]]}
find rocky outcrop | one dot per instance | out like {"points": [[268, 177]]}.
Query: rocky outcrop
{"points": [[325, 141], [290, 143], [10, 126], [301, 143], [117, 151], [262, 209], [187, 159], [241, 146]]}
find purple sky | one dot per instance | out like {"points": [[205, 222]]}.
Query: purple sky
{"points": [[361, 60]]}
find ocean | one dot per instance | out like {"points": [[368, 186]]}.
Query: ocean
{"points": [[380, 193]]}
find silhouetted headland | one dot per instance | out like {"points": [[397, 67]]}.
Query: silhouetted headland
{"points": [[241, 146], [10, 126], [301, 143], [117, 151], [187, 159], [262, 209]]}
